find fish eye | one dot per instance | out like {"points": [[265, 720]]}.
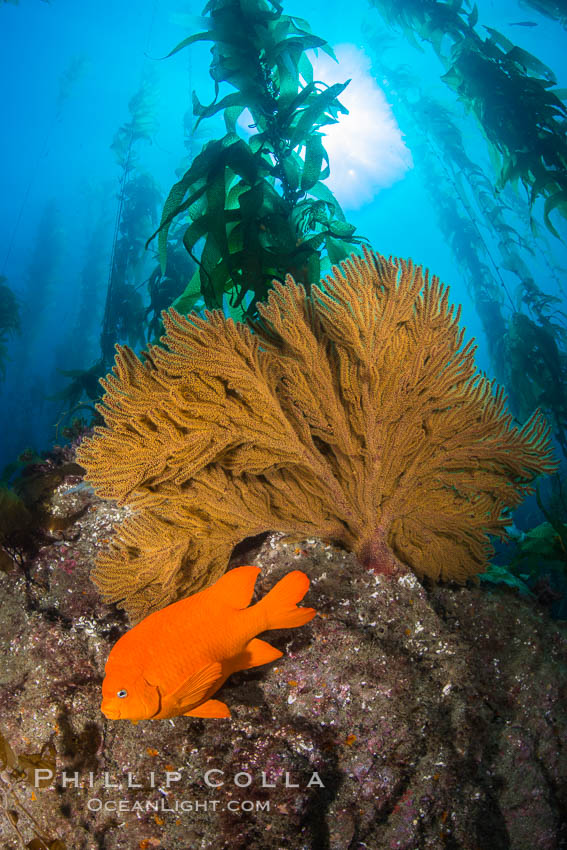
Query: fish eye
{"points": [[121, 694]]}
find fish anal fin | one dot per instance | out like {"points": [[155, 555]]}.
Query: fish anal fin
{"points": [[210, 708], [236, 587], [194, 689], [255, 653]]}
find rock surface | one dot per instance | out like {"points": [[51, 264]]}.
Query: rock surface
{"points": [[398, 719]]}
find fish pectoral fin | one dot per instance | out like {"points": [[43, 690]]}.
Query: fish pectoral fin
{"points": [[194, 689], [255, 653], [210, 708]]}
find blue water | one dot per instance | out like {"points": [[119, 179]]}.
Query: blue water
{"points": [[69, 70]]}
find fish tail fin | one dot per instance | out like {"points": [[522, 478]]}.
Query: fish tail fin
{"points": [[279, 606]]}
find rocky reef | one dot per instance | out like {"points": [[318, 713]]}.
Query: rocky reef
{"points": [[400, 717]]}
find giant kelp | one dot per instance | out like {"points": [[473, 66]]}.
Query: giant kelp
{"points": [[521, 116], [260, 204], [42, 274], [492, 243], [535, 356], [171, 286], [84, 343], [353, 413], [454, 182], [509, 90], [124, 311], [539, 558], [136, 214], [9, 321]]}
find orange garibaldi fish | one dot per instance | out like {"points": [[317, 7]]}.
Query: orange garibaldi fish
{"points": [[173, 661]]}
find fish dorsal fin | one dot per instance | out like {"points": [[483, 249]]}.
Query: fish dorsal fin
{"points": [[210, 708], [237, 586], [194, 689]]}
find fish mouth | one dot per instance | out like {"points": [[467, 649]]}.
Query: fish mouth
{"points": [[109, 712]]}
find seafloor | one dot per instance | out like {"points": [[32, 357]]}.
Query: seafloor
{"points": [[400, 717]]}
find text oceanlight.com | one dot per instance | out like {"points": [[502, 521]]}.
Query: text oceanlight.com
{"points": [[95, 804]]}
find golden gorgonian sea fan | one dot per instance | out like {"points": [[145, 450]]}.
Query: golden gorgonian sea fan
{"points": [[353, 414]]}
